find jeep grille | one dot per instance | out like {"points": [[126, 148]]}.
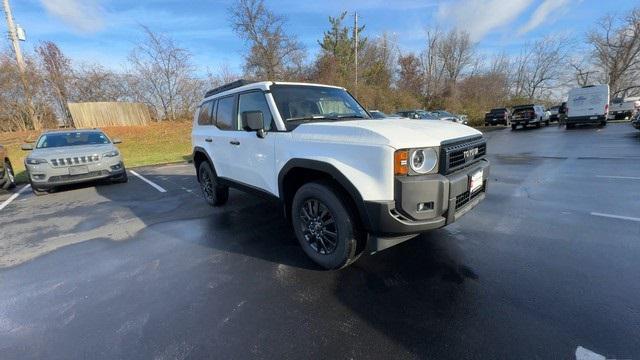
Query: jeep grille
{"points": [[77, 160]]}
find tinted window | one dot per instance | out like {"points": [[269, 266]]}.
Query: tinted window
{"points": [[63, 139], [205, 114], [224, 114], [254, 101]]}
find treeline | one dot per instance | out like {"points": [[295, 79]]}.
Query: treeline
{"points": [[449, 72]]}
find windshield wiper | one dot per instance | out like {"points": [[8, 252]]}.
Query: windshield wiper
{"points": [[353, 116]]}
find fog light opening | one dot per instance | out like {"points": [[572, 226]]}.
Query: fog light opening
{"points": [[424, 206]]}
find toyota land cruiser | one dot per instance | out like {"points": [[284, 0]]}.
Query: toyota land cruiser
{"points": [[348, 183]]}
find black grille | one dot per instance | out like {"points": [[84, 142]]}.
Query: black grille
{"points": [[464, 198], [63, 178], [452, 154]]}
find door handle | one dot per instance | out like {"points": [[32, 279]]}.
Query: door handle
{"points": [[234, 142], [208, 139]]}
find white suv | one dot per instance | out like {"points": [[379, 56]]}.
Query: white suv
{"points": [[348, 183]]}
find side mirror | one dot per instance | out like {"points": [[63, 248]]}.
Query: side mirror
{"points": [[116, 141], [27, 147], [254, 121]]}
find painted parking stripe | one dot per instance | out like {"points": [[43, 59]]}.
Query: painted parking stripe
{"points": [[586, 354], [616, 216], [619, 177], [14, 196], [154, 185]]}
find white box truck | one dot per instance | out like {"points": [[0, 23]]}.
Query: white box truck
{"points": [[588, 105]]}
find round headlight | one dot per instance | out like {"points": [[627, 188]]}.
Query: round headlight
{"points": [[423, 160]]}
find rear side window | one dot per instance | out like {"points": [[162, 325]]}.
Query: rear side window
{"points": [[205, 116], [224, 114]]}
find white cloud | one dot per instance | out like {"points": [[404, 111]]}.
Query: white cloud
{"points": [[479, 17], [83, 15], [542, 14]]}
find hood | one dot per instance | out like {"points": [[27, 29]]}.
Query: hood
{"points": [[397, 133], [71, 151]]}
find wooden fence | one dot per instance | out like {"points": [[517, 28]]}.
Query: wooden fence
{"points": [[99, 114]]}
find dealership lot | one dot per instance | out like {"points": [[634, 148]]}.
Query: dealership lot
{"points": [[546, 264]]}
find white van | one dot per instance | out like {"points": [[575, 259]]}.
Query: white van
{"points": [[588, 105]]}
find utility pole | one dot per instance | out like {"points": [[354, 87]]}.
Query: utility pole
{"points": [[355, 35], [15, 42]]}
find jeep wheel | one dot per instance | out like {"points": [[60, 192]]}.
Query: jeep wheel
{"points": [[213, 193], [324, 226], [513, 126], [38, 191], [8, 177], [122, 178]]}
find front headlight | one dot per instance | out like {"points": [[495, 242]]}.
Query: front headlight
{"points": [[31, 161], [111, 153], [423, 161]]}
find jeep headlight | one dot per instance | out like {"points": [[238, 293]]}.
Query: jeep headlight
{"points": [[423, 161], [31, 161], [111, 153]]}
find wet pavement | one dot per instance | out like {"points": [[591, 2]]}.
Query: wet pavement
{"points": [[547, 263]]}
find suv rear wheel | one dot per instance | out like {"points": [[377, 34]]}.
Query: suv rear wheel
{"points": [[214, 193], [324, 226]]}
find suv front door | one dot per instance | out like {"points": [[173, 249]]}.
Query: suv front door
{"points": [[255, 156]]}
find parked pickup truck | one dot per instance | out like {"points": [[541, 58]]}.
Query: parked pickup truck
{"points": [[347, 183], [526, 115], [497, 116], [624, 108]]}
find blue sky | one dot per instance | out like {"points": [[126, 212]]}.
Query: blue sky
{"points": [[105, 31]]}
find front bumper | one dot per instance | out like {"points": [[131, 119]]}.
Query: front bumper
{"points": [[45, 176], [447, 198]]}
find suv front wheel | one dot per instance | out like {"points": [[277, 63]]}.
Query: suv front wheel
{"points": [[324, 226], [214, 193]]}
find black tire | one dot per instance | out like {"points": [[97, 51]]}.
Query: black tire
{"points": [[547, 123], [39, 191], [513, 127], [214, 194], [538, 124], [603, 123], [121, 179], [570, 126], [319, 216], [9, 180]]}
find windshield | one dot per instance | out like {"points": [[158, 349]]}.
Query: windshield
{"points": [[302, 103], [79, 138], [378, 114]]}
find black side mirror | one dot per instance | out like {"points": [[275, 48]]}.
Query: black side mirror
{"points": [[116, 141], [27, 147], [254, 121]]}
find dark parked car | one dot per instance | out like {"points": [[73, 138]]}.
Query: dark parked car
{"points": [[497, 116], [416, 114], [377, 114], [635, 120], [7, 179]]}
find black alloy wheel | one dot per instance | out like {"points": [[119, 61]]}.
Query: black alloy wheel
{"points": [[319, 226]]}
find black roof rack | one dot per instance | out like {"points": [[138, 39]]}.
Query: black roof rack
{"points": [[229, 86], [525, 105]]}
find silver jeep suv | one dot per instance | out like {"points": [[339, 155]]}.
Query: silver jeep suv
{"points": [[64, 157]]}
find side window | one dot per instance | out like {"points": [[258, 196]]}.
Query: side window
{"points": [[224, 113], [254, 101], [204, 118]]}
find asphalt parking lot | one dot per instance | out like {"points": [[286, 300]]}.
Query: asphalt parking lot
{"points": [[549, 262]]}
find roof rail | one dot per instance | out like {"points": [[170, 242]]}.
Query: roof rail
{"points": [[229, 86]]}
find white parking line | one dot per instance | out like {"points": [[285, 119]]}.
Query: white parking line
{"points": [[618, 177], [13, 197], [586, 354], [154, 185], [616, 216]]}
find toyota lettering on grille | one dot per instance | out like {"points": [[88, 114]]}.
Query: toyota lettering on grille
{"points": [[470, 154]]}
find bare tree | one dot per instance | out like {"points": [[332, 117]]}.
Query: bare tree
{"points": [[57, 74], [455, 51], [93, 82], [223, 75], [162, 74], [272, 53], [616, 52], [410, 75], [539, 67]]}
